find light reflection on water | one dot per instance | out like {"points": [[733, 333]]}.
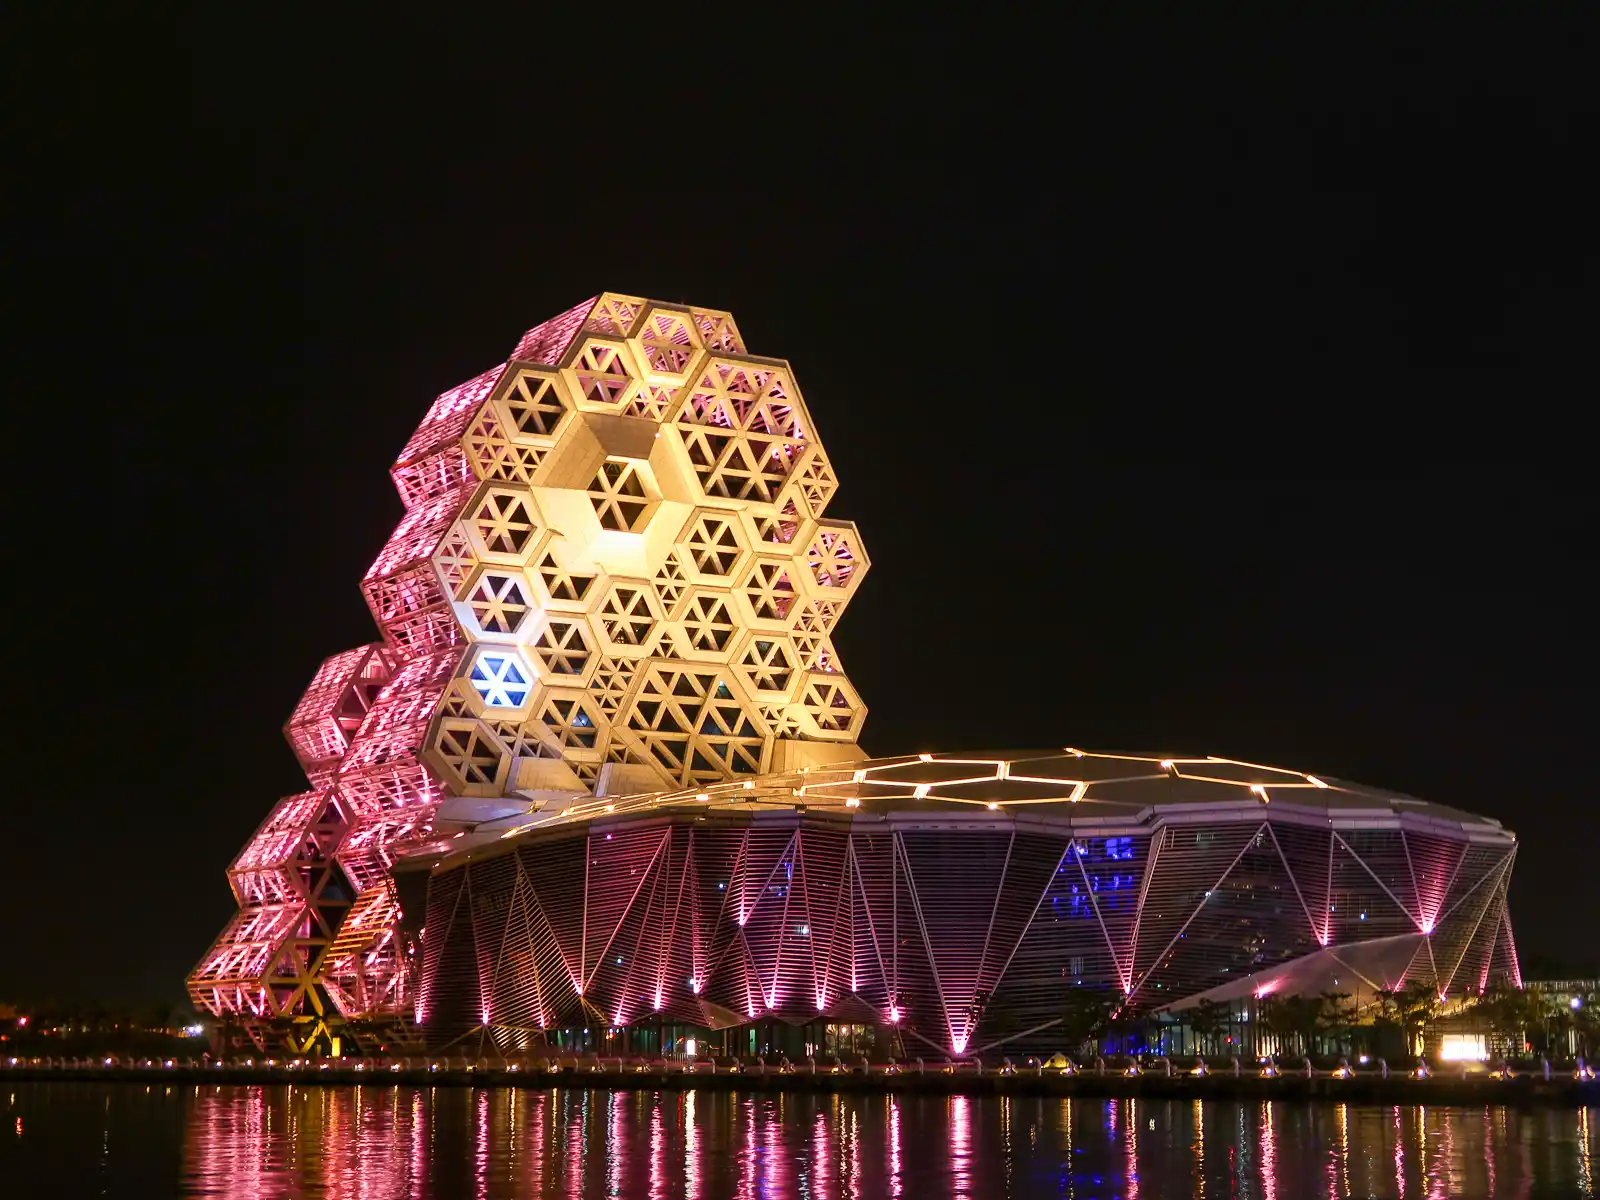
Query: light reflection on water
{"points": [[400, 1143]]}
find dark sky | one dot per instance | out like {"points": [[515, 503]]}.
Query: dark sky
{"points": [[1197, 384]]}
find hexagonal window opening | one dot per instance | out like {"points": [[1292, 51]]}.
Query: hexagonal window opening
{"points": [[536, 405], [562, 648], [713, 544], [502, 679], [619, 498], [505, 523], [499, 603]]}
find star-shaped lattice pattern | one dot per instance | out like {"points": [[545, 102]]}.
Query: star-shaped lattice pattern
{"points": [[613, 575]]}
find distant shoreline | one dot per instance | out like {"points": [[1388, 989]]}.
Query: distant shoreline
{"points": [[1530, 1090]]}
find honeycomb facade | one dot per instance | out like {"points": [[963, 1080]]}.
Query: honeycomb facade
{"points": [[606, 750], [956, 901], [613, 575]]}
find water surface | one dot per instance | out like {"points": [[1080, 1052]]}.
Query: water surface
{"points": [[388, 1143]]}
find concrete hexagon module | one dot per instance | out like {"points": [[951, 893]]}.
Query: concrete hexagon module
{"points": [[601, 773]]}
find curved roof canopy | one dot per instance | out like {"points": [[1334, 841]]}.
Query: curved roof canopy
{"points": [[1069, 787]]}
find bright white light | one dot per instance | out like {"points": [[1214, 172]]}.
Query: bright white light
{"points": [[502, 679], [689, 1046], [194, 1030], [1463, 1047], [1577, 1002]]}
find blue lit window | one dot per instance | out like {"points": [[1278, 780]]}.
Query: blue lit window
{"points": [[1119, 847], [501, 680]]}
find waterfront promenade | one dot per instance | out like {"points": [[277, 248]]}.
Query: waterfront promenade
{"points": [[1368, 1085]]}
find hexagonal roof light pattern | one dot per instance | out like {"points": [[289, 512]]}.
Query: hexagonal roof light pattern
{"points": [[614, 576]]}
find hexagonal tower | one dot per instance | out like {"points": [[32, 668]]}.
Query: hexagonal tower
{"points": [[613, 576]]}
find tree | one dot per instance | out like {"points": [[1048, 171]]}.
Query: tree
{"points": [[1586, 1021], [1418, 1004], [1087, 1015], [1511, 1012], [1335, 1015], [1293, 1020], [1209, 1019], [1388, 1006]]}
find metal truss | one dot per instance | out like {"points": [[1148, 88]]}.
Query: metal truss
{"points": [[961, 927]]}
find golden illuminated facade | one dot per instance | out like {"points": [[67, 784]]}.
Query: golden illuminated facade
{"points": [[614, 575], [608, 738]]}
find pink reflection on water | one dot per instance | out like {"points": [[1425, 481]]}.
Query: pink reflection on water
{"points": [[539, 1110], [480, 1158], [1450, 1169], [960, 1142], [419, 1141], [1269, 1154], [774, 1154], [747, 1151], [1399, 1155], [821, 1173], [658, 1152], [852, 1164], [617, 1143], [396, 1143], [691, 1147], [896, 1187], [1130, 1146], [576, 1139]]}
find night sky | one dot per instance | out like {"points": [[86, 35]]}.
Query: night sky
{"points": [[1197, 387]]}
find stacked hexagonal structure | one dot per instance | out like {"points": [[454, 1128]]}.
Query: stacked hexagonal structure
{"points": [[607, 728], [613, 576]]}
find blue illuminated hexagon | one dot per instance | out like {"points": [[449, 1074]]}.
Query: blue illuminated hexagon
{"points": [[502, 678]]}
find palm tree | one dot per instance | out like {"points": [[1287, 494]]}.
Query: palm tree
{"points": [[1388, 1005]]}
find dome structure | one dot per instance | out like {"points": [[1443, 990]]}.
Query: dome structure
{"points": [[601, 770]]}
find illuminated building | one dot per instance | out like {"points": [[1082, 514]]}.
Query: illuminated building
{"points": [[613, 576], [609, 744], [960, 897]]}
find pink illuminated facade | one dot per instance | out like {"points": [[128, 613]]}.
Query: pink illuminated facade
{"points": [[956, 899], [606, 750], [613, 575]]}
